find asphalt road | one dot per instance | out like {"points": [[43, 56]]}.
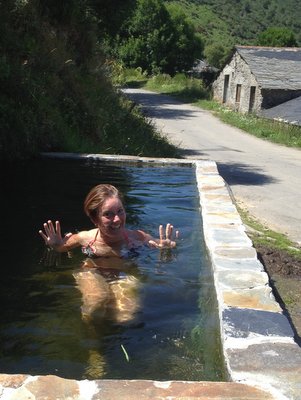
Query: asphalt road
{"points": [[264, 177]]}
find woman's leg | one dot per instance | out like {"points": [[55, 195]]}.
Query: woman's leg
{"points": [[96, 294]]}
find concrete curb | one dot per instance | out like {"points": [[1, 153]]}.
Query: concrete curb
{"points": [[258, 341]]}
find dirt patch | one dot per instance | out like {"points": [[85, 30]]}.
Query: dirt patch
{"points": [[279, 262], [284, 271]]}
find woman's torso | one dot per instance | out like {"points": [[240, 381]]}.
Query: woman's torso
{"points": [[93, 245]]}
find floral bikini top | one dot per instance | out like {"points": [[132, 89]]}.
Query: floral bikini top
{"points": [[90, 250]]}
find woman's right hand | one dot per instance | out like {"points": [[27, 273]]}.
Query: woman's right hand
{"points": [[164, 241], [52, 235]]}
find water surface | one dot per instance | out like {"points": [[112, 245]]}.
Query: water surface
{"points": [[173, 334]]}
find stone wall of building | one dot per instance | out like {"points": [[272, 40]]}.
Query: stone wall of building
{"points": [[239, 75]]}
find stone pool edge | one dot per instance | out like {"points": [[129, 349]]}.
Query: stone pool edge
{"points": [[261, 356]]}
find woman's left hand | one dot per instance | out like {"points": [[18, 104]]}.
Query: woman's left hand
{"points": [[165, 241]]}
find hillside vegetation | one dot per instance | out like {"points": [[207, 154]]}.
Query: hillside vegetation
{"points": [[240, 21], [223, 24], [57, 57], [56, 93]]}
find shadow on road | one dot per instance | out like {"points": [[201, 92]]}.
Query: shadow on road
{"points": [[158, 112], [147, 99], [191, 153], [235, 173], [244, 174], [160, 107]]}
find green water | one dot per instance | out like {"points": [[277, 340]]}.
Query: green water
{"points": [[174, 332]]}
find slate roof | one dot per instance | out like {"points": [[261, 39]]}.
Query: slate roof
{"points": [[200, 66], [274, 67], [289, 112]]}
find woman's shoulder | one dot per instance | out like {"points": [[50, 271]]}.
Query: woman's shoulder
{"points": [[87, 236]]}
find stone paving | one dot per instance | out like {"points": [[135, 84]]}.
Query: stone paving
{"points": [[262, 359]]}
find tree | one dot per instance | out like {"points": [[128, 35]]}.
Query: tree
{"points": [[277, 37], [159, 41], [188, 45], [111, 14], [215, 55]]}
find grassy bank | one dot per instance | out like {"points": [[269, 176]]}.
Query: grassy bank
{"points": [[56, 92], [274, 131], [261, 235], [186, 89]]}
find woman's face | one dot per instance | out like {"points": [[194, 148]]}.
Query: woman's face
{"points": [[112, 218]]}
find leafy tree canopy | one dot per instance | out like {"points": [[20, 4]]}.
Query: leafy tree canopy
{"points": [[158, 40], [111, 14], [215, 54], [277, 37]]}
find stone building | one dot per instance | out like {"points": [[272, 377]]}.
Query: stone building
{"points": [[259, 78]]}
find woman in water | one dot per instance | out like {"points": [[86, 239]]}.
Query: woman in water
{"points": [[104, 207], [106, 246]]}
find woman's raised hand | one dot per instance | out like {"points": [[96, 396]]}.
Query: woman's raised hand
{"points": [[165, 240], [52, 235]]}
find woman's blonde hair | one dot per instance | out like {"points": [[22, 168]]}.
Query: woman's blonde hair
{"points": [[96, 197]]}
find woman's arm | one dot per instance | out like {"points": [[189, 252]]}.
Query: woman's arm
{"points": [[53, 238]]}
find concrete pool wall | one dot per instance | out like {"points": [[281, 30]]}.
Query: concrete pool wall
{"points": [[261, 357]]}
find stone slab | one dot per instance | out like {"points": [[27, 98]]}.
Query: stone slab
{"points": [[217, 198], [216, 207], [273, 366], [245, 323], [257, 299], [212, 180], [229, 238], [207, 167], [221, 217], [241, 279], [222, 264], [154, 390], [12, 381], [51, 387], [239, 253], [213, 190], [238, 226]]}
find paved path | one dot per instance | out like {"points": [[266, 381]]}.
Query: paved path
{"points": [[265, 177]]}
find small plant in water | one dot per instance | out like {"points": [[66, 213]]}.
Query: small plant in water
{"points": [[125, 353]]}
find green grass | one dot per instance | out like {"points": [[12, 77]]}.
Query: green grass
{"points": [[132, 77], [274, 131], [180, 86], [263, 236]]}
